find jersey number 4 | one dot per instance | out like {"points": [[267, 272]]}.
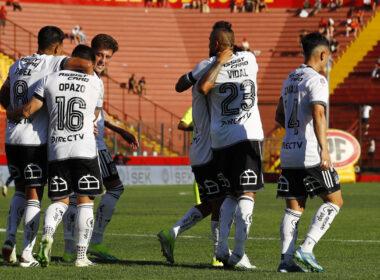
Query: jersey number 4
{"points": [[70, 117], [293, 120], [248, 87]]}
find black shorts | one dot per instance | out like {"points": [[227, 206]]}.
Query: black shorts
{"points": [[107, 166], [241, 165], [27, 164], [301, 183], [211, 184], [365, 120], [79, 176]]}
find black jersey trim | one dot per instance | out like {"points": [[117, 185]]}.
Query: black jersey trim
{"points": [[39, 97], [64, 62]]}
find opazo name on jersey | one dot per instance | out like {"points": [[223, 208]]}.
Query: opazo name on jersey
{"points": [[72, 87]]}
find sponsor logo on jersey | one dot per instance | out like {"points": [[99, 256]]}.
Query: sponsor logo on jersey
{"points": [[292, 145], [236, 63], [70, 138], [236, 120]]}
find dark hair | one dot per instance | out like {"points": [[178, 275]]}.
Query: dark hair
{"points": [[222, 25], [48, 36], [311, 41], [104, 41], [85, 52]]}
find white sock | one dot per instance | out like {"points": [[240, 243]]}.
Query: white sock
{"points": [[319, 225], [16, 210], [192, 217], [104, 213], [53, 216], [215, 234], [226, 218], [243, 221], [85, 223], [289, 232], [69, 222], [31, 225]]}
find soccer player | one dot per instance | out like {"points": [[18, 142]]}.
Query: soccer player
{"points": [[73, 101], [236, 133], [105, 47], [305, 161], [204, 169], [28, 138]]}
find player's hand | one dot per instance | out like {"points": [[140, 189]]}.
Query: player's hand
{"points": [[224, 56], [325, 160], [95, 129], [130, 138], [5, 190]]}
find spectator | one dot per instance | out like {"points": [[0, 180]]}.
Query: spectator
{"points": [[366, 111], [371, 150], [359, 15], [239, 6], [3, 18], [16, 5], [261, 5], [132, 86], [331, 5], [330, 28], [352, 25], [334, 45], [374, 5], [249, 6], [376, 70], [142, 86], [245, 44], [367, 5], [82, 36], [75, 35], [322, 25], [304, 12], [196, 4], [350, 13], [339, 3], [148, 4], [317, 7], [205, 7]]}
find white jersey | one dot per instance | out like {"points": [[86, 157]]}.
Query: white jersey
{"points": [[24, 75], [71, 100], [200, 149], [366, 111], [302, 88], [100, 124], [235, 116]]}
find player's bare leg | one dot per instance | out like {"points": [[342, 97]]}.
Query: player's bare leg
{"points": [[16, 211], [104, 213]]}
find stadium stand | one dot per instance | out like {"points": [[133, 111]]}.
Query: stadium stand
{"points": [[161, 50]]}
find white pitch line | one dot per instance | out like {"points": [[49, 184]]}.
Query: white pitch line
{"points": [[250, 238]]}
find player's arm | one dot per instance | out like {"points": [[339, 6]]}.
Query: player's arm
{"points": [[207, 82], [25, 111], [280, 114], [5, 94], [128, 137], [320, 128], [185, 127], [78, 64], [184, 83]]}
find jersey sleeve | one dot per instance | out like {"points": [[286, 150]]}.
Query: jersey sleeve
{"points": [[319, 91], [188, 117], [199, 70], [59, 62], [39, 92], [99, 104]]}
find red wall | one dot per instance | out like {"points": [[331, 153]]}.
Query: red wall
{"points": [[179, 3]]}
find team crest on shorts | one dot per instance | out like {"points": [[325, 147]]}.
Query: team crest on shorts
{"points": [[57, 184], [14, 171], [283, 184], [248, 177], [211, 187], [33, 171], [225, 183], [88, 182]]}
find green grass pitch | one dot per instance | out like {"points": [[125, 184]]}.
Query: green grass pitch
{"points": [[349, 250]]}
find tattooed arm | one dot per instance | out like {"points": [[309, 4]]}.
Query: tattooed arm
{"points": [[25, 111], [206, 83]]}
